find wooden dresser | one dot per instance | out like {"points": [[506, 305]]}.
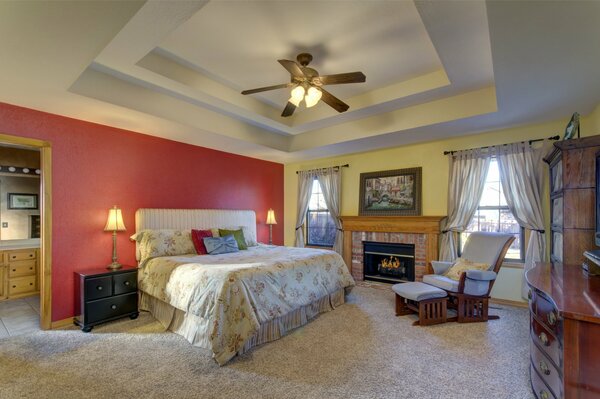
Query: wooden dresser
{"points": [[19, 273], [564, 306]]}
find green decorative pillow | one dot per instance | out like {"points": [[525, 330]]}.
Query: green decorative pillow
{"points": [[238, 235]]}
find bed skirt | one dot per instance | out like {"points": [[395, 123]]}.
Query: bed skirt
{"points": [[196, 329]]}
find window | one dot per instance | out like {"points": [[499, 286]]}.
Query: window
{"points": [[320, 227], [493, 214]]}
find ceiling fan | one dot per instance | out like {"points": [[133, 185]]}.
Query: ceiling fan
{"points": [[308, 85]]}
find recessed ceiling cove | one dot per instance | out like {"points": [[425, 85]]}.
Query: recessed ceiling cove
{"points": [[176, 69]]}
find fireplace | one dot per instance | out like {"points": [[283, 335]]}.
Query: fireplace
{"points": [[388, 262]]}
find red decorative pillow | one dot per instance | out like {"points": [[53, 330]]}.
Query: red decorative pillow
{"points": [[198, 239]]}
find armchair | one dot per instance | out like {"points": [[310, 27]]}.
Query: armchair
{"points": [[470, 294]]}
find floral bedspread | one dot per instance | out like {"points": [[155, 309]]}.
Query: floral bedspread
{"points": [[236, 292]]}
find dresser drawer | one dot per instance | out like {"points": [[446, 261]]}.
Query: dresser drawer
{"points": [[547, 342], [546, 370], [21, 285], [21, 268], [540, 389], [108, 308], [21, 255], [547, 313], [98, 287], [125, 282]]}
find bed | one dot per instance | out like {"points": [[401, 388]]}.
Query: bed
{"points": [[231, 302]]}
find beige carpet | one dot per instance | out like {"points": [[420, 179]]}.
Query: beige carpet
{"points": [[360, 350]]}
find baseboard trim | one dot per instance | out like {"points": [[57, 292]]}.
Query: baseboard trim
{"points": [[519, 304], [62, 323]]}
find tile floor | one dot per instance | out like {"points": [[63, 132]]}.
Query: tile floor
{"points": [[19, 316]]}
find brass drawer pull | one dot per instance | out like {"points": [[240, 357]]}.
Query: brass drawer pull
{"points": [[544, 394], [113, 307], [552, 318], [31, 255], [544, 367], [14, 286], [543, 338], [14, 270]]}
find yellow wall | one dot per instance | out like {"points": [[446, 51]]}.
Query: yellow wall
{"points": [[435, 165]]}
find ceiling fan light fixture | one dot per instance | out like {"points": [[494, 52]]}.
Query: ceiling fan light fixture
{"points": [[297, 95], [312, 97]]}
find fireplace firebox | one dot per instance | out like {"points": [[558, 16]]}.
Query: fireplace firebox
{"points": [[389, 262]]}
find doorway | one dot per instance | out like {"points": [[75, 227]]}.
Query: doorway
{"points": [[25, 235]]}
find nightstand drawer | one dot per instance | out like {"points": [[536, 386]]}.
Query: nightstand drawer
{"points": [[99, 287], [21, 285], [21, 255], [21, 268], [125, 282], [109, 308]]}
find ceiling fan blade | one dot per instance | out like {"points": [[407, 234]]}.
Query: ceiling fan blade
{"points": [[333, 101], [292, 68], [288, 110], [281, 86], [341, 78]]}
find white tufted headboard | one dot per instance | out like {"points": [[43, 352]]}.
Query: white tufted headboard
{"points": [[183, 219]]}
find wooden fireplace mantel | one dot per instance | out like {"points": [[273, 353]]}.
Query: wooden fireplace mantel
{"points": [[428, 225], [393, 224]]}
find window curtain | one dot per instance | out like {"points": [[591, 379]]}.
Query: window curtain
{"points": [[330, 180], [521, 175], [305, 182], [468, 171]]}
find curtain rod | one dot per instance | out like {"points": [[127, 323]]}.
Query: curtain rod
{"points": [[337, 166], [557, 137]]}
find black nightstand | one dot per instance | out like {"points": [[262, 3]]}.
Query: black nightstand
{"points": [[103, 295]]}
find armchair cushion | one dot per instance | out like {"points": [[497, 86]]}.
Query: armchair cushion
{"points": [[440, 267], [481, 275], [462, 265], [442, 282], [485, 247]]}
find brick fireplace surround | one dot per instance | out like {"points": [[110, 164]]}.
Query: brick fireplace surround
{"points": [[423, 231]]}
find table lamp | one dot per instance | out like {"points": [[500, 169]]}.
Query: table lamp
{"points": [[271, 221], [114, 224]]}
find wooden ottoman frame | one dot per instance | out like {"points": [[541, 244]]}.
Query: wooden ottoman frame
{"points": [[430, 311]]}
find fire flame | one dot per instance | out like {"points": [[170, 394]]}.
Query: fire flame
{"points": [[392, 263]]}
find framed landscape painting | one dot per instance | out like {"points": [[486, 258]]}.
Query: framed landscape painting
{"points": [[390, 193]]}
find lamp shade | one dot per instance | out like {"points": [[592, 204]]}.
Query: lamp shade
{"points": [[297, 95], [312, 97], [271, 217], [115, 220]]}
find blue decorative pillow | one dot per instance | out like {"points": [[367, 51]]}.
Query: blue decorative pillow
{"points": [[221, 245]]}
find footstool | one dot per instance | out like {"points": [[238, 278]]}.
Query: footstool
{"points": [[429, 302]]}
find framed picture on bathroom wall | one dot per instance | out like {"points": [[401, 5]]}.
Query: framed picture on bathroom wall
{"points": [[22, 201]]}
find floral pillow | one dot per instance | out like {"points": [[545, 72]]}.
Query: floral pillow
{"points": [[462, 265], [153, 243]]}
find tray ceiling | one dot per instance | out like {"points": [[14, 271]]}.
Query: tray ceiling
{"points": [[176, 69]]}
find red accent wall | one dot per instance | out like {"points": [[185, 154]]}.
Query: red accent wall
{"points": [[95, 167]]}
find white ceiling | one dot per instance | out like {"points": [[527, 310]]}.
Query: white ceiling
{"points": [[434, 69]]}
